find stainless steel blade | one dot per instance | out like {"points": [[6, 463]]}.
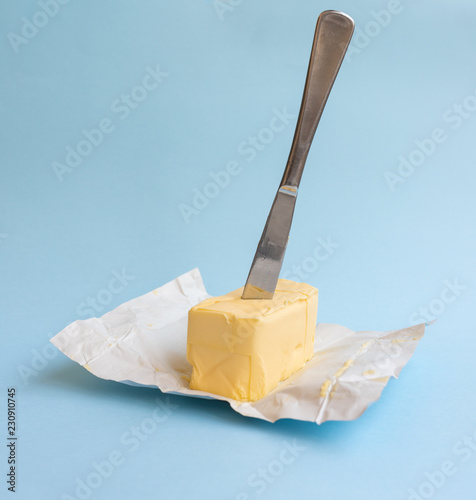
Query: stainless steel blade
{"points": [[332, 37], [269, 256]]}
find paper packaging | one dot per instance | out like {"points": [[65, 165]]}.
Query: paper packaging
{"points": [[143, 342]]}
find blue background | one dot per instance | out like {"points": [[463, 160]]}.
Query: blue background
{"points": [[63, 237]]}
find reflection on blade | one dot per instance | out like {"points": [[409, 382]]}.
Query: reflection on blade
{"points": [[269, 256]]}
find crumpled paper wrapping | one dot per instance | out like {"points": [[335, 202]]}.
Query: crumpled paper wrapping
{"points": [[143, 342]]}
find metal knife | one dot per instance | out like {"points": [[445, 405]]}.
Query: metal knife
{"points": [[332, 37]]}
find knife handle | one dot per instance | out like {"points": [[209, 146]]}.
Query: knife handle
{"points": [[332, 37]]}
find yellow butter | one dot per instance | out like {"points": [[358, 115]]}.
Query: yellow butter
{"points": [[242, 349]]}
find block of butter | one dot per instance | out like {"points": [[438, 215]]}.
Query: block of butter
{"points": [[242, 349]]}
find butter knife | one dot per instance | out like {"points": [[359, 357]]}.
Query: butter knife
{"points": [[332, 37]]}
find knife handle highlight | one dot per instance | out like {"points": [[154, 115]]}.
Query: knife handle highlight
{"points": [[332, 37]]}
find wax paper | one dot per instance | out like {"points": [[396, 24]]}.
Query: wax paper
{"points": [[144, 340]]}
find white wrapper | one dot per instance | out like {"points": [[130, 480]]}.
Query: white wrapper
{"points": [[143, 342]]}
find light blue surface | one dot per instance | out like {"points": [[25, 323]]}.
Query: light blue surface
{"points": [[119, 211]]}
